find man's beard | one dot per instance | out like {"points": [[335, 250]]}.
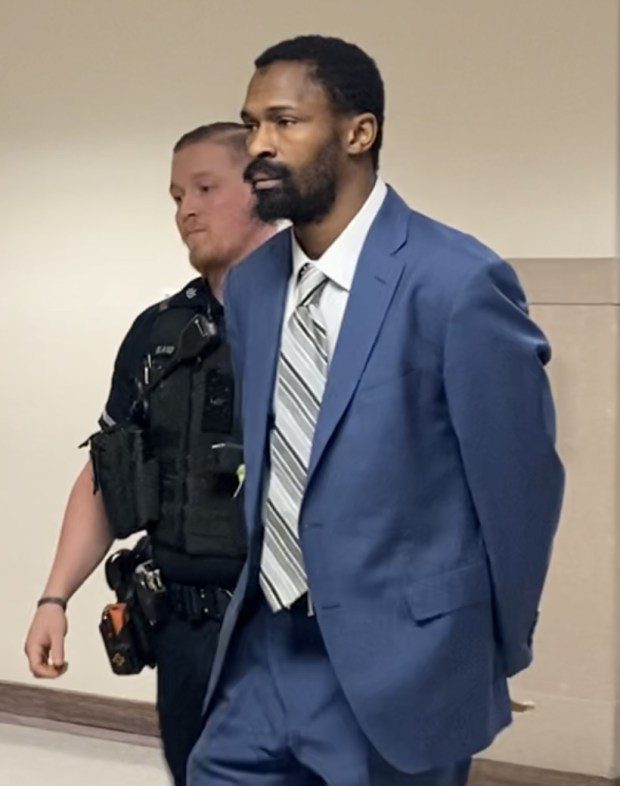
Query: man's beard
{"points": [[205, 261], [303, 200], [198, 262]]}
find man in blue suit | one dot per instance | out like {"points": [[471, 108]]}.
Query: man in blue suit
{"points": [[402, 486]]}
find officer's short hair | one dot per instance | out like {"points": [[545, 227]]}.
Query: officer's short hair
{"points": [[231, 135]]}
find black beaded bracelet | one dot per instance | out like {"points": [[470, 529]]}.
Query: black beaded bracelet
{"points": [[51, 599]]}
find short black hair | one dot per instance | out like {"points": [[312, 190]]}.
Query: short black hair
{"points": [[350, 76], [228, 133]]}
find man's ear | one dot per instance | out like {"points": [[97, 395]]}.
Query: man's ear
{"points": [[362, 133]]}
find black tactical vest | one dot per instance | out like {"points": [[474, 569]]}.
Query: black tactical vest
{"points": [[189, 419], [174, 469]]}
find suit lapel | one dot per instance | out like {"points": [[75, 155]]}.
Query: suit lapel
{"points": [[376, 277], [264, 325]]}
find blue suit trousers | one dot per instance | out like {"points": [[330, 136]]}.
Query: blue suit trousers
{"points": [[280, 717]]}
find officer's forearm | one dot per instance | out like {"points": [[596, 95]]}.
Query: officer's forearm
{"points": [[84, 538]]}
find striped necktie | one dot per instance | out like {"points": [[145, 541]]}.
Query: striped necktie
{"points": [[302, 369]]}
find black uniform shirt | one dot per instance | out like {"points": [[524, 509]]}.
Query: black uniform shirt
{"points": [[196, 295]]}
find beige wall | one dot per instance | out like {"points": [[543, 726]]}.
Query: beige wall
{"points": [[502, 119]]}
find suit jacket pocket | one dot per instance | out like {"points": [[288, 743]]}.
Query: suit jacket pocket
{"points": [[369, 383], [441, 593]]}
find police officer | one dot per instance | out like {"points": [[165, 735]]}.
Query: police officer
{"points": [[186, 417]]}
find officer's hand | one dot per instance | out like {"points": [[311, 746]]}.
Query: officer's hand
{"points": [[45, 643]]}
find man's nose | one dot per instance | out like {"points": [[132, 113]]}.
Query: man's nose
{"points": [[261, 142], [187, 207]]}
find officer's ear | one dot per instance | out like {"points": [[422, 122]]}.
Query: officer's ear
{"points": [[361, 133]]}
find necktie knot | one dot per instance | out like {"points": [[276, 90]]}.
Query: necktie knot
{"points": [[310, 282]]}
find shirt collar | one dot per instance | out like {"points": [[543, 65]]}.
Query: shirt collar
{"points": [[197, 295], [339, 261]]}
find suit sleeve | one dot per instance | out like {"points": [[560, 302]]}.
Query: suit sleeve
{"points": [[502, 412]]}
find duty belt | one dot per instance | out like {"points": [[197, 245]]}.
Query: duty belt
{"points": [[197, 603]]}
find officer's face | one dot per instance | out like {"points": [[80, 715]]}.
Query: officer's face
{"points": [[297, 143], [214, 206]]}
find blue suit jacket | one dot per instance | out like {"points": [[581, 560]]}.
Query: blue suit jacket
{"points": [[433, 490]]}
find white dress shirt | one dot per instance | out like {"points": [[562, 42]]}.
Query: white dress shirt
{"points": [[339, 263]]}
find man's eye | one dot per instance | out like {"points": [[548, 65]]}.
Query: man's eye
{"points": [[204, 189], [176, 200], [285, 122]]}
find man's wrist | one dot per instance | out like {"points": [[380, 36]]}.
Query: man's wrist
{"points": [[56, 600]]}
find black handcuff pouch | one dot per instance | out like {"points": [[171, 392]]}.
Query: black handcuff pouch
{"points": [[127, 477]]}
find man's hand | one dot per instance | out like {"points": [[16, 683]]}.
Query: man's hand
{"points": [[84, 540], [45, 643]]}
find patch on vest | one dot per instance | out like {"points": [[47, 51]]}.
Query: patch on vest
{"points": [[164, 349], [218, 408]]}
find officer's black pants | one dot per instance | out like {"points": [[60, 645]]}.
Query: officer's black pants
{"points": [[184, 652]]}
